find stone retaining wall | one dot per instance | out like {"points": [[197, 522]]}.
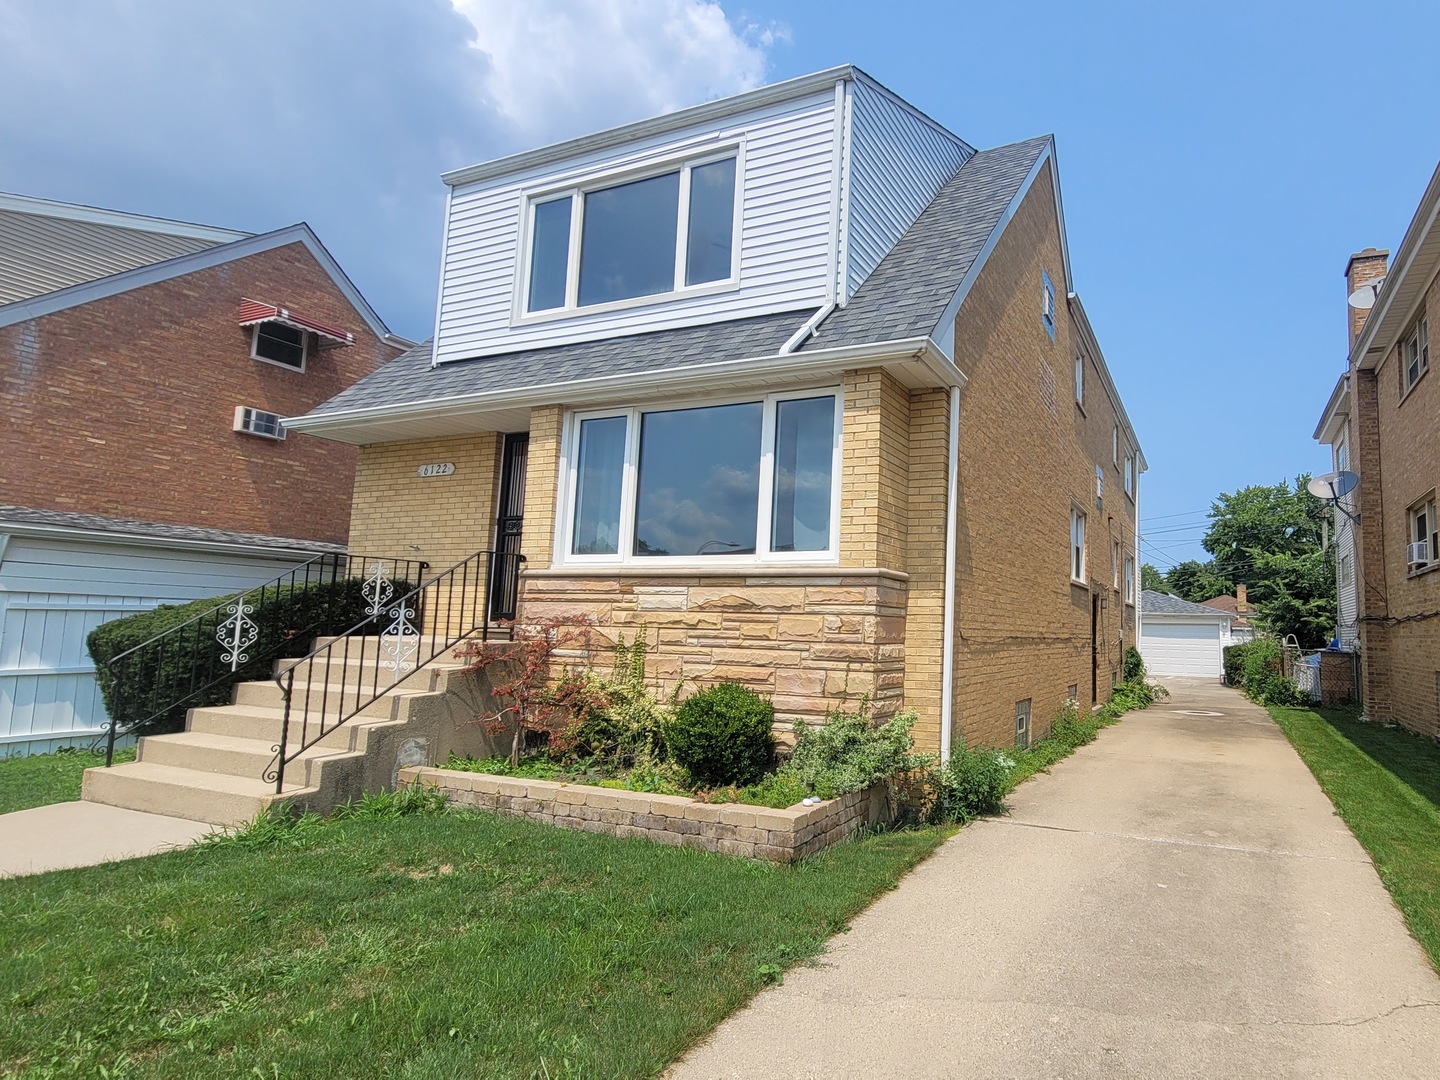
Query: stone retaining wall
{"points": [[753, 832]]}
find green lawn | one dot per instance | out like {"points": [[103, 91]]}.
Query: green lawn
{"points": [[440, 946], [42, 779], [1385, 783]]}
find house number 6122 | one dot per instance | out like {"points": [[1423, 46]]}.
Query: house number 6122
{"points": [[444, 468]]}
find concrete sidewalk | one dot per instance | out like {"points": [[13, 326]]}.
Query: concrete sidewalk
{"points": [[70, 834], [1176, 900]]}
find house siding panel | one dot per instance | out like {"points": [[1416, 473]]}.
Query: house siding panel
{"points": [[784, 243], [897, 165]]}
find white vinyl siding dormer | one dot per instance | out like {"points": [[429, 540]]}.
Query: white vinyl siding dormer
{"points": [[827, 179]]}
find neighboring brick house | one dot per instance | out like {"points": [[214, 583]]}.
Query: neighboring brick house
{"points": [[146, 364], [1383, 423], [794, 380]]}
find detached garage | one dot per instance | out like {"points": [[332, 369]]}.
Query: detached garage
{"points": [[1181, 638]]}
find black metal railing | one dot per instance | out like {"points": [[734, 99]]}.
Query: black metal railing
{"points": [[197, 662], [347, 674]]}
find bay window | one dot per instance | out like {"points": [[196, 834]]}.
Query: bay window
{"points": [[669, 232], [755, 479]]}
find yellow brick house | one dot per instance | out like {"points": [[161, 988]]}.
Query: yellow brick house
{"points": [[798, 381]]}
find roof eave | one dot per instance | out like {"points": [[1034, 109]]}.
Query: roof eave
{"points": [[919, 350], [1087, 332], [734, 105], [1337, 410], [302, 548]]}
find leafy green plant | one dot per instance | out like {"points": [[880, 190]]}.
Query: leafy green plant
{"points": [[624, 721], [1262, 676], [779, 791], [722, 735], [970, 784], [1234, 662], [274, 826], [849, 752], [406, 801], [1134, 664]]}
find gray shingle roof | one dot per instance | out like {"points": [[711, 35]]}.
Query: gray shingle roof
{"points": [[910, 289], [904, 297], [1158, 603], [41, 253], [20, 515]]}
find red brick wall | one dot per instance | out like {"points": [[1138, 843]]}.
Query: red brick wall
{"points": [[1028, 454], [124, 406]]}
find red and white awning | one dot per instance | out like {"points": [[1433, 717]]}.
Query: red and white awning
{"points": [[253, 312]]}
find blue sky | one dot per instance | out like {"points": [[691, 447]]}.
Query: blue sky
{"points": [[1219, 162]]}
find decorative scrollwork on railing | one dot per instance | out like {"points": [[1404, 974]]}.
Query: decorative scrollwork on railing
{"points": [[237, 633], [272, 771], [378, 588], [399, 643]]}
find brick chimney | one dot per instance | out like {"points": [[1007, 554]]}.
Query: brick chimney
{"points": [[1241, 607], [1363, 268]]}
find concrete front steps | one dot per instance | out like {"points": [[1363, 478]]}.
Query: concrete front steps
{"points": [[214, 770]]}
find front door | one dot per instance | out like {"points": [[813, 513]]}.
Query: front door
{"points": [[505, 571]]}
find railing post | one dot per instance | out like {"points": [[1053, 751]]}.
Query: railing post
{"points": [[285, 690], [110, 735]]}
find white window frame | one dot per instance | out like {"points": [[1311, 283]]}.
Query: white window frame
{"points": [[1425, 506], [1115, 566], [1129, 579], [629, 486], [1099, 485], [577, 189], [1077, 546], [1130, 475], [244, 416], [1115, 444], [1080, 378], [304, 348], [1414, 347], [1345, 569], [1342, 454]]}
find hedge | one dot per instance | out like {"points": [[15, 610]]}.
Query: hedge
{"points": [[1234, 663], [156, 687]]}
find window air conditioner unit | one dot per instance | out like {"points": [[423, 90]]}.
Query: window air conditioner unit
{"points": [[1416, 554], [258, 422]]}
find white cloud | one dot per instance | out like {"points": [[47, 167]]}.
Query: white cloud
{"points": [[567, 67]]}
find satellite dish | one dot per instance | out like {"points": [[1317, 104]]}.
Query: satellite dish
{"points": [[1363, 298], [1333, 485]]}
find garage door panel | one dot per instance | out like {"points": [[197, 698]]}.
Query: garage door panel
{"points": [[1180, 648]]}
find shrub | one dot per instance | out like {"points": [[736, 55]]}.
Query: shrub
{"points": [[1234, 662], [1070, 730], [779, 790], [971, 783], [624, 722], [1262, 677], [722, 735], [849, 752], [1134, 664], [164, 684]]}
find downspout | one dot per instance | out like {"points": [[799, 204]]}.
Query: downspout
{"points": [[798, 338], [947, 636]]}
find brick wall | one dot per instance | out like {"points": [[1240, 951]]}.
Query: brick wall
{"points": [[1027, 455], [1397, 451], [124, 406]]}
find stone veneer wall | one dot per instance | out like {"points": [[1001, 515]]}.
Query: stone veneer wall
{"points": [[753, 832], [806, 639]]}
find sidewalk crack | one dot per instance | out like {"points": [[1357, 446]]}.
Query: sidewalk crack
{"points": [[1240, 848]]}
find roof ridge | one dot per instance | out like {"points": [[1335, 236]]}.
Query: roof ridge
{"points": [[119, 219]]}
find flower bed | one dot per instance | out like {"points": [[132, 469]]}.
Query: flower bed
{"points": [[754, 832]]}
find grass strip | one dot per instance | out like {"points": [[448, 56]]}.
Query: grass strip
{"points": [[1385, 784], [426, 946], [42, 779]]}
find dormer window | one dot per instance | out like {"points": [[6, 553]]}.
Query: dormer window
{"points": [[651, 236]]}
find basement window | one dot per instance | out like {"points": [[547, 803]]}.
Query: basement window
{"points": [[1022, 724]]}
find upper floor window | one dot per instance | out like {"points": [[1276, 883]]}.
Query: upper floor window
{"points": [[754, 477], [1047, 303], [1077, 546], [1129, 474], [1115, 443], [1424, 546], [1414, 356], [1079, 377], [279, 344], [647, 237], [1129, 579]]}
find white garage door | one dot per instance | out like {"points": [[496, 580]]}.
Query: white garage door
{"points": [[1180, 648]]}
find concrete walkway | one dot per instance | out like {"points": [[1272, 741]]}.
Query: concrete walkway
{"points": [[69, 834], [1176, 900]]}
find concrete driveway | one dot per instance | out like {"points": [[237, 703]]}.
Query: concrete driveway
{"points": [[1176, 900]]}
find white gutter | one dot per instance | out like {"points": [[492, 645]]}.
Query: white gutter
{"points": [[947, 636], [798, 338], [229, 547]]}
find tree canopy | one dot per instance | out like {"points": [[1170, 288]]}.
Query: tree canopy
{"points": [[1267, 538], [1152, 579]]}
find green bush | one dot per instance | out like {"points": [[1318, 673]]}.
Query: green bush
{"points": [[779, 791], [1234, 662], [722, 735], [624, 721], [1262, 676], [1070, 730], [971, 783], [1134, 665], [161, 685], [850, 752]]}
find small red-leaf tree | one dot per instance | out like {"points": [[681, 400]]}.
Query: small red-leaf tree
{"points": [[532, 695]]}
